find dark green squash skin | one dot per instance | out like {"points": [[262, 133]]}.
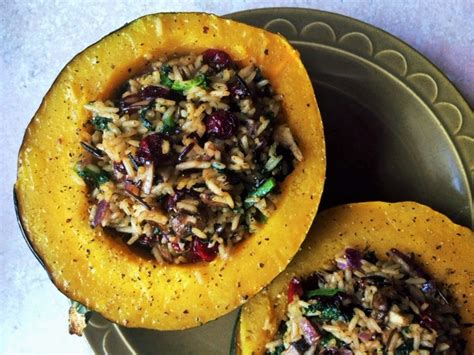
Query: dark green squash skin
{"points": [[23, 231]]}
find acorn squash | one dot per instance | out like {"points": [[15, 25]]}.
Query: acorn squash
{"points": [[100, 271], [442, 248]]}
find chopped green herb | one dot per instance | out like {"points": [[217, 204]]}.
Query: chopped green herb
{"points": [[324, 311], [145, 121], [332, 313], [263, 190], [91, 174], [157, 231], [165, 80], [329, 292], [199, 80], [101, 123], [169, 124]]}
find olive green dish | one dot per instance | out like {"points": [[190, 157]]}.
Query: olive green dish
{"points": [[396, 129]]}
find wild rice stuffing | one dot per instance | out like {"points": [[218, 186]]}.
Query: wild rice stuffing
{"points": [[362, 305], [186, 162]]}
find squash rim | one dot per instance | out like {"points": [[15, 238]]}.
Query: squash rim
{"points": [[272, 290], [21, 213]]}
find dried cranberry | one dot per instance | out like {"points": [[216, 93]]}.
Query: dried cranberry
{"points": [[151, 92], [221, 124], [147, 241], [176, 246], [294, 288], [238, 88], [217, 59], [150, 150], [202, 251]]}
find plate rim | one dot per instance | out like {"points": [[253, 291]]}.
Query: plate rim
{"points": [[468, 172], [457, 139]]}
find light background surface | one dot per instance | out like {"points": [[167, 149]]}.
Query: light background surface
{"points": [[37, 38]]}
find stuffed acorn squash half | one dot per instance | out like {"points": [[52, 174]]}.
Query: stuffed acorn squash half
{"points": [[371, 278], [172, 170]]}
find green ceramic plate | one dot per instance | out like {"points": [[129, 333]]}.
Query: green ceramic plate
{"points": [[396, 129]]}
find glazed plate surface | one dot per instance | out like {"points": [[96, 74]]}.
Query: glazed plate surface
{"points": [[396, 129]]}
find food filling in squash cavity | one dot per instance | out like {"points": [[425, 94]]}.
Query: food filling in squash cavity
{"points": [[360, 304], [187, 161]]}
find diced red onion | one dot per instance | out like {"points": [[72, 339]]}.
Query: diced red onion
{"points": [[353, 257], [100, 212], [310, 334], [291, 351], [342, 264], [365, 336]]}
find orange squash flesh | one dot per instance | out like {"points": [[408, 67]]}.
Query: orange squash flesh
{"points": [[98, 270], [444, 249]]}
